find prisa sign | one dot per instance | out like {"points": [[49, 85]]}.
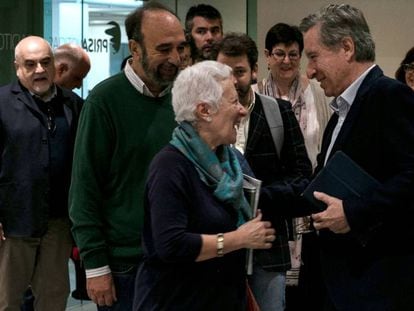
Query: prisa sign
{"points": [[95, 45], [100, 45]]}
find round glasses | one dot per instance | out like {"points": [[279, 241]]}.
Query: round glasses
{"points": [[281, 55], [408, 67]]}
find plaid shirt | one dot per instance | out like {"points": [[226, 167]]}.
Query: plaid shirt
{"points": [[292, 167]]}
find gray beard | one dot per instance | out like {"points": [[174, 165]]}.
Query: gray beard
{"points": [[154, 76]]}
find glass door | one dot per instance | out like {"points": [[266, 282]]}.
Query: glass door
{"points": [[97, 26]]}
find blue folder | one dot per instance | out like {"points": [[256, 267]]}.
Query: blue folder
{"points": [[341, 178]]}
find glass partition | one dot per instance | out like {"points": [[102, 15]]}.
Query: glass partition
{"points": [[96, 25]]}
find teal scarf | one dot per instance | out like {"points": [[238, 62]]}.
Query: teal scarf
{"points": [[219, 170]]}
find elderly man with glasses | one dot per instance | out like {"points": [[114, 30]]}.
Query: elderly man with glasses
{"points": [[38, 122]]}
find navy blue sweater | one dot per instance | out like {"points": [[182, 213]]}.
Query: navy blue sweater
{"points": [[179, 207]]}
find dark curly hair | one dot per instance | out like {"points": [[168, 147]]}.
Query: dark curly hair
{"points": [[236, 44], [203, 10], [408, 59]]}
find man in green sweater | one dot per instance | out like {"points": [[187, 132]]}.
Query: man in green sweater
{"points": [[125, 121]]}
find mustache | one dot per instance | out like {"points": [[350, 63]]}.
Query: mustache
{"points": [[169, 65]]}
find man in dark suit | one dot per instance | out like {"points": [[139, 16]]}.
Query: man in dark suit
{"points": [[278, 158], [37, 131], [367, 247]]}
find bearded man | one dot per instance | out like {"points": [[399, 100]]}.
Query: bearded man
{"points": [[125, 121]]}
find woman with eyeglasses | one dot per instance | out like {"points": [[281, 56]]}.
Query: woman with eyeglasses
{"points": [[405, 73], [283, 52]]}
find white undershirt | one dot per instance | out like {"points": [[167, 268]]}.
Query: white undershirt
{"points": [[243, 129], [137, 82], [342, 104]]}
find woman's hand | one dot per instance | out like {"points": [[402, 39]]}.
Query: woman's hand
{"points": [[257, 234]]}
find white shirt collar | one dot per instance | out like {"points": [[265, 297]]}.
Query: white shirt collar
{"points": [[138, 84], [343, 102]]}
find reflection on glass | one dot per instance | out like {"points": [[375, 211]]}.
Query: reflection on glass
{"points": [[96, 25]]}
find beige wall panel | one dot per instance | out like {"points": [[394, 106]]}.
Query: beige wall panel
{"points": [[233, 11]]}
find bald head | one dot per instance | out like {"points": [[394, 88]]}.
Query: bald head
{"points": [[31, 43], [34, 65], [72, 64]]}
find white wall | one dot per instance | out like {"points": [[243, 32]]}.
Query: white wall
{"points": [[233, 11], [391, 24]]}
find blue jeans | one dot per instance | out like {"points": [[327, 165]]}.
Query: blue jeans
{"points": [[268, 288], [124, 280]]}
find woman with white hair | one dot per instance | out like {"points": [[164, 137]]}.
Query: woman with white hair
{"points": [[196, 226]]}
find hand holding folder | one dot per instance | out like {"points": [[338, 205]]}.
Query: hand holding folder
{"points": [[341, 178]]}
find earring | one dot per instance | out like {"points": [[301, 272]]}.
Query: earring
{"points": [[208, 119]]}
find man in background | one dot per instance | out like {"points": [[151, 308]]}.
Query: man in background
{"points": [[38, 122], [186, 58], [203, 27], [125, 121], [72, 64], [272, 143]]}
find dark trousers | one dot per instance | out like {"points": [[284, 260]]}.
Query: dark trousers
{"points": [[28, 300], [310, 294]]}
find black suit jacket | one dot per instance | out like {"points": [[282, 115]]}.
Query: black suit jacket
{"points": [[24, 159], [278, 175], [371, 267]]}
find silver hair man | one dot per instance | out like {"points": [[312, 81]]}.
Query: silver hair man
{"points": [[338, 21]]}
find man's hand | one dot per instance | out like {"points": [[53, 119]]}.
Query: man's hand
{"points": [[2, 237], [333, 218], [101, 290]]}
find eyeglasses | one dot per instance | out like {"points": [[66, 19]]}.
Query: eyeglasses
{"points": [[280, 55], [408, 67], [51, 124]]}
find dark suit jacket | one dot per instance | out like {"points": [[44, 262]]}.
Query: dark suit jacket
{"points": [[291, 167], [24, 159], [371, 268]]}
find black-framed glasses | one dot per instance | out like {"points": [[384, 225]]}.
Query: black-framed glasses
{"points": [[408, 67], [280, 55], [51, 124]]}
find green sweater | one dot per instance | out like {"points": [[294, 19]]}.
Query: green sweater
{"points": [[120, 130]]}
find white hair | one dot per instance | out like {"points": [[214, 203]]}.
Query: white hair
{"points": [[199, 83]]}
